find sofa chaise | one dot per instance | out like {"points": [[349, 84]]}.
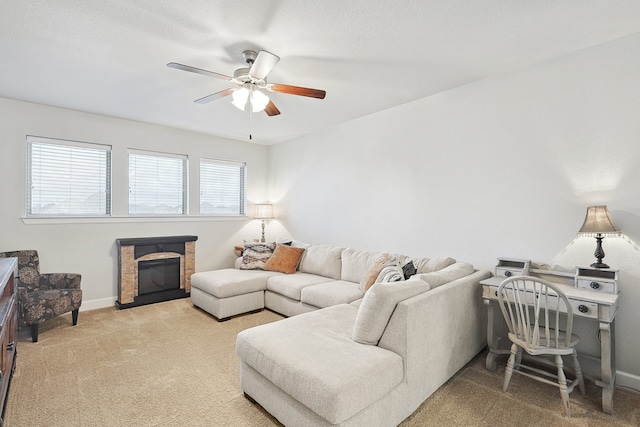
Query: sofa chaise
{"points": [[346, 357]]}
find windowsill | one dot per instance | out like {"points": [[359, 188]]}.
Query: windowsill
{"points": [[130, 219]]}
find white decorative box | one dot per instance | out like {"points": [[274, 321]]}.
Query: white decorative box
{"points": [[508, 267], [597, 279]]}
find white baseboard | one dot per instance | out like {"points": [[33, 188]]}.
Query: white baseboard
{"points": [[95, 304], [625, 379], [591, 369]]}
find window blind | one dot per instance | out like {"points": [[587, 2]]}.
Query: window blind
{"points": [[67, 178], [222, 187], [157, 184]]}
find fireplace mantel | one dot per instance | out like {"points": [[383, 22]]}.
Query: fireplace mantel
{"points": [[133, 251]]}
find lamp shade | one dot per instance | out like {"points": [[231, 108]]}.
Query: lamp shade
{"points": [[259, 101], [240, 97], [264, 211], [598, 221]]}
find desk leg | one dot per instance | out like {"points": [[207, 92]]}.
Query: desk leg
{"points": [[492, 340], [607, 365]]}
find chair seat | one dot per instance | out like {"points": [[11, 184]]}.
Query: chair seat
{"points": [[44, 305], [543, 347]]}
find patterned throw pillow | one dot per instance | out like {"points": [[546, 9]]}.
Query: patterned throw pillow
{"points": [[255, 255], [409, 269], [391, 272]]}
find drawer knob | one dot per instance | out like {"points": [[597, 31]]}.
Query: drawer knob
{"points": [[594, 285], [583, 308], [507, 273]]}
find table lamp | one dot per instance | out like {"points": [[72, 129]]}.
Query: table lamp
{"points": [[263, 212], [598, 224]]}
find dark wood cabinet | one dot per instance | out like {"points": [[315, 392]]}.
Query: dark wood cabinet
{"points": [[8, 326]]}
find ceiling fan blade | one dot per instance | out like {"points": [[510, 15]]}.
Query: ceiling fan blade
{"points": [[271, 109], [214, 96], [199, 71], [263, 64], [297, 90]]}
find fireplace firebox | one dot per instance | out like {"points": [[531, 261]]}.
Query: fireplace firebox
{"points": [[154, 269], [158, 275]]}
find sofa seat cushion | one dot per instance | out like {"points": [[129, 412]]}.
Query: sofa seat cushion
{"points": [[291, 285], [331, 293], [312, 358], [230, 282]]}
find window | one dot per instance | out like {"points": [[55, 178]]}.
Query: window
{"points": [[222, 187], [67, 178], [157, 183]]}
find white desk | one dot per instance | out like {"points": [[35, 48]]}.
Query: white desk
{"points": [[599, 307]]}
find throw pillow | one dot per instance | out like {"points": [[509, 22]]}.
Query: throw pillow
{"points": [[285, 259], [378, 305], [409, 269], [391, 272], [372, 274], [255, 255]]}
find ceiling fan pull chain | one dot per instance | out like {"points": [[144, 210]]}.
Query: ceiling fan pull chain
{"points": [[250, 121]]}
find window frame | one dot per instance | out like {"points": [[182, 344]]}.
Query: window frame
{"points": [[32, 140], [185, 182], [241, 195]]}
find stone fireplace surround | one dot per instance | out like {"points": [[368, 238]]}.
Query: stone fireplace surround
{"points": [[134, 250]]}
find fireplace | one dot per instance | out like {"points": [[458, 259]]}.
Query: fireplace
{"points": [[154, 269]]}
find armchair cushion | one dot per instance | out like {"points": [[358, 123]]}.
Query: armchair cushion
{"points": [[45, 305]]}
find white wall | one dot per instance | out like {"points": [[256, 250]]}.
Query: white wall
{"points": [[90, 248], [504, 167]]}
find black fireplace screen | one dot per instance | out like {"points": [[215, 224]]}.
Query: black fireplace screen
{"points": [[158, 275]]}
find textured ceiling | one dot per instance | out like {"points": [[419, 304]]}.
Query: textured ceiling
{"points": [[109, 57]]}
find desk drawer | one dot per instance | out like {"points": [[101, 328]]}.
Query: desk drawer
{"points": [[584, 308], [597, 285]]}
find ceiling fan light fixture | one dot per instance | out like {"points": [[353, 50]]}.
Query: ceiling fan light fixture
{"points": [[240, 97], [259, 101]]}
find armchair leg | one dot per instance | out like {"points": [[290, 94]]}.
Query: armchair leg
{"points": [[74, 316], [34, 332]]}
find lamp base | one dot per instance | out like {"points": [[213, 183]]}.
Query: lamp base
{"points": [[599, 265]]}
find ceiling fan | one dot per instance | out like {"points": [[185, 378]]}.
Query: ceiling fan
{"points": [[251, 82]]}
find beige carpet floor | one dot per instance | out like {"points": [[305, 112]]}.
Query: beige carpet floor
{"points": [[170, 364]]}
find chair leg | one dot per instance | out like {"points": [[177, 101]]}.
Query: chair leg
{"points": [[509, 370], [34, 332], [578, 370], [74, 316], [562, 383]]}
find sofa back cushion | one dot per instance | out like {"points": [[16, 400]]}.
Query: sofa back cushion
{"points": [[356, 264], [377, 307], [323, 260], [447, 274], [426, 265]]}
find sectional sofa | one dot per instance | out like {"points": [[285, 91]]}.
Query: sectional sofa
{"points": [[346, 357]]}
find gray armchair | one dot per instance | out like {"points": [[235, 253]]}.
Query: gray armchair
{"points": [[43, 296]]}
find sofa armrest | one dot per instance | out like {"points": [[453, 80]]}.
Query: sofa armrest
{"points": [[49, 281], [437, 332]]}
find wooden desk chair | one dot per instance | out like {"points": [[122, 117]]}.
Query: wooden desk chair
{"points": [[531, 307]]}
